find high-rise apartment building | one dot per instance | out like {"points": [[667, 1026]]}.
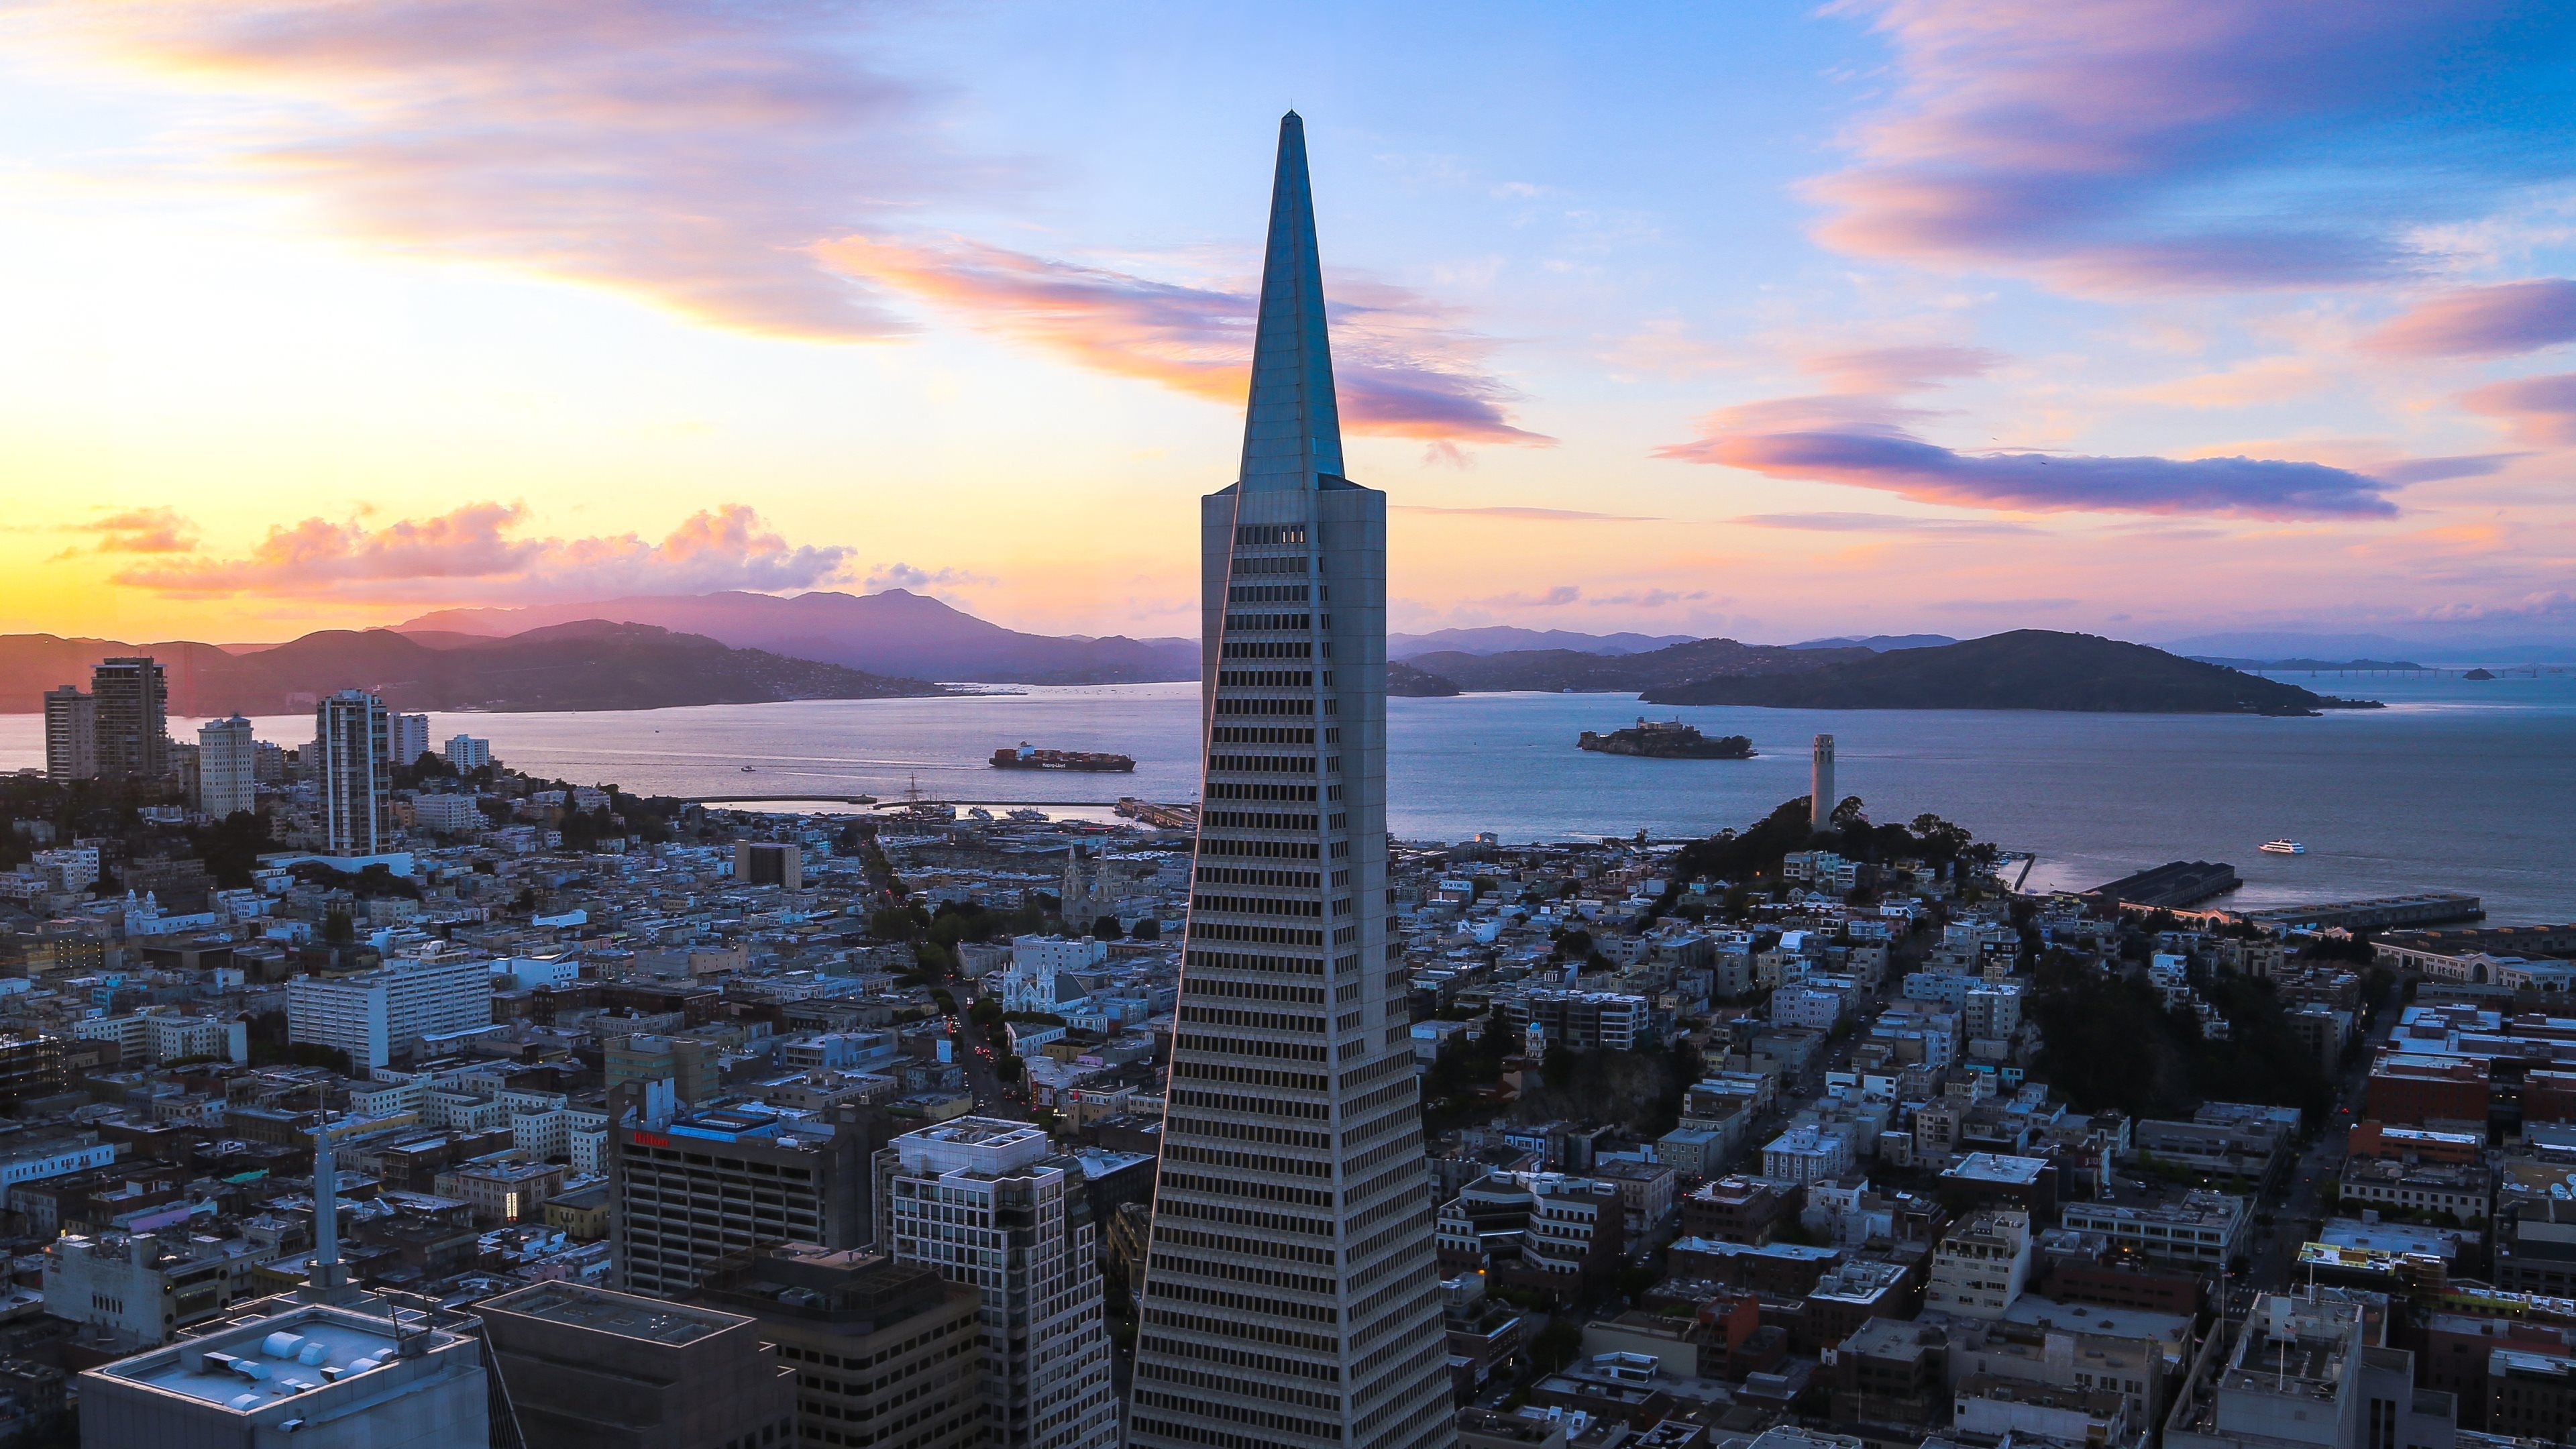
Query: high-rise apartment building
{"points": [[466, 754], [990, 1203], [1289, 1295], [130, 698], [889, 1355], [407, 737], [227, 767], [690, 1190], [378, 1015], [71, 734], [354, 772]]}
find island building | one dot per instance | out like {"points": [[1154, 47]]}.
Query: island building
{"points": [[989, 1202], [1290, 1296], [1821, 798], [71, 734], [129, 700], [227, 767], [355, 773]]}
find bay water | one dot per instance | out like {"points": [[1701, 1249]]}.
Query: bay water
{"points": [[2457, 785]]}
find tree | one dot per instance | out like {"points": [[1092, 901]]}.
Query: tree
{"points": [[1106, 928], [1148, 929], [1556, 1345]]}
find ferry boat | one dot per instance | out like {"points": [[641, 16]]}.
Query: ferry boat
{"points": [[2282, 847]]}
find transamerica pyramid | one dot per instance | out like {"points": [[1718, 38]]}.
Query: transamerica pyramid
{"points": [[1289, 1296]]}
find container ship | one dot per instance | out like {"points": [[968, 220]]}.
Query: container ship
{"points": [[1025, 758]]}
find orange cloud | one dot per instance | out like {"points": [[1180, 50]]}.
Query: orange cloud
{"points": [[1402, 365]]}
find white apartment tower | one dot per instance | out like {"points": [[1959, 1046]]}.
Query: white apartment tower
{"points": [[408, 737], [1821, 798], [227, 767], [355, 773], [377, 1015], [1289, 1296], [71, 734], [989, 1203], [467, 754]]}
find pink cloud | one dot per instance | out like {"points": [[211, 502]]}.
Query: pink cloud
{"points": [[139, 530], [474, 550], [2498, 321], [2151, 144], [1892, 462], [1902, 369], [2540, 409], [1403, 364], [687, 153]]}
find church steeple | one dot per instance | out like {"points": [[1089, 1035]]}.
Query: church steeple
{"points": [[1292, 430]]}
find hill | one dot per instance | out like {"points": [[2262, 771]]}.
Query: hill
{"points": [[1503, 638], [1878, 643], [896, 632], [2025, 669], [588, 665], [1403, 681], [1558, 671]]}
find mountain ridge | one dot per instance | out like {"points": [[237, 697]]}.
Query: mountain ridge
{"points": [[580, 665], [895, 632]]}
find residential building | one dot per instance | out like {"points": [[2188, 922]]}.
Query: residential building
{"points": [[769, 863], [690, 1191], [467, 753], [332, 1377], [227, 768], [990, 1204], [1292, 1110], [1981, 1265], [406, 738], [354, 773], [1582, 1021], [886, 1354], [2305, 1369], [453, 814], [2203, 1229], [376, 1016], [129, 698], [609, 1370], [71, 734]]}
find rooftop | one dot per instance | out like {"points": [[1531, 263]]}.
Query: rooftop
{"points": [[307, 1349], [621, 1314]]}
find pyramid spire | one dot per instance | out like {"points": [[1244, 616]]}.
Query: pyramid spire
{"points": [[1292, 429]]}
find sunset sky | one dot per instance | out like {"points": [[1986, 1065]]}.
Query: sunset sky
{"points": [[2140, 316]]}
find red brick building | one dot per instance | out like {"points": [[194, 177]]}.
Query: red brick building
{"points": [[2414, 1090]]}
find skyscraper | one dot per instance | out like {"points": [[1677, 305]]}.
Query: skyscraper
{"points": [[227, 767], [71, 734], [130, 697], [1289, 1289], [355, 772]]}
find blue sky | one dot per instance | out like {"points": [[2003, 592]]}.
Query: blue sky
{"points": [[2145, 317]]}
